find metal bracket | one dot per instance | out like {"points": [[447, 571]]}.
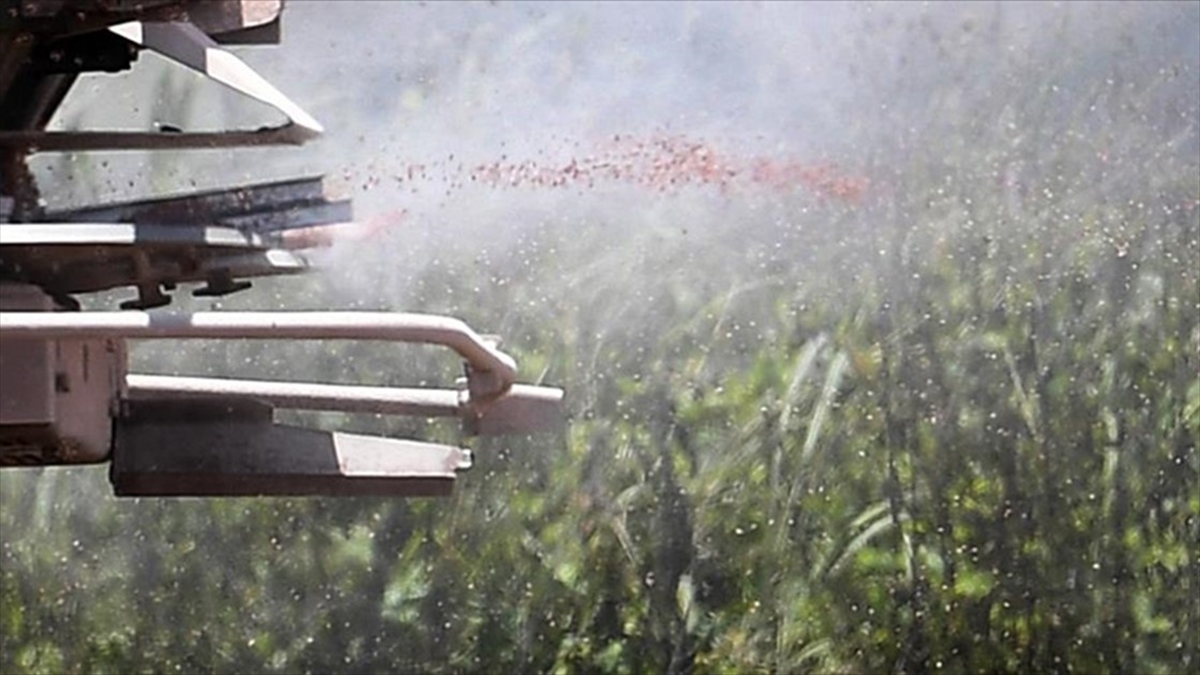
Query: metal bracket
{"points": [[186, 44], [149, 296], [220, 282], [149, 290]]}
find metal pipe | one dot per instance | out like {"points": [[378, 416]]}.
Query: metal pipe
{"points": [[304, 396], [388, 326]]}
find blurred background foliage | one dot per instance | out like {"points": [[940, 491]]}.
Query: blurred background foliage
{"points": [[952, 426]]}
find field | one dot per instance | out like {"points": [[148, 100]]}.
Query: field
{"points": [[923, 398]]}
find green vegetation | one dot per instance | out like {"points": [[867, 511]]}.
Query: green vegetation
{"points": [[953, 427]]}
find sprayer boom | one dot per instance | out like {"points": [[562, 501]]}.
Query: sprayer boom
{"points": [[65, 394]]}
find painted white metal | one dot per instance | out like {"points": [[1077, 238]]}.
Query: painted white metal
{"points": [[67, 387], [394, 327]]}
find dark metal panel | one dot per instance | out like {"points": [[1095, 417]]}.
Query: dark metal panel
{"points": [[88, 52], [209, 206], [231, 451]]}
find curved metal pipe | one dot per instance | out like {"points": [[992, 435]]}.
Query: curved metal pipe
{"points": [[387, 326]]}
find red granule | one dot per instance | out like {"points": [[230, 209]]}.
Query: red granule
{"points": [[660, 163]]}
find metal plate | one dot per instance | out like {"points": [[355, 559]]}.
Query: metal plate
{"points": [[66, 258], [172, 448], [262, 207]]}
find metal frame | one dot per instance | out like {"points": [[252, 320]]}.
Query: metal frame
{"points": [[492, 371], [193, 436], [220, 448], [258, 208], [186, 436], [219, 237]]}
